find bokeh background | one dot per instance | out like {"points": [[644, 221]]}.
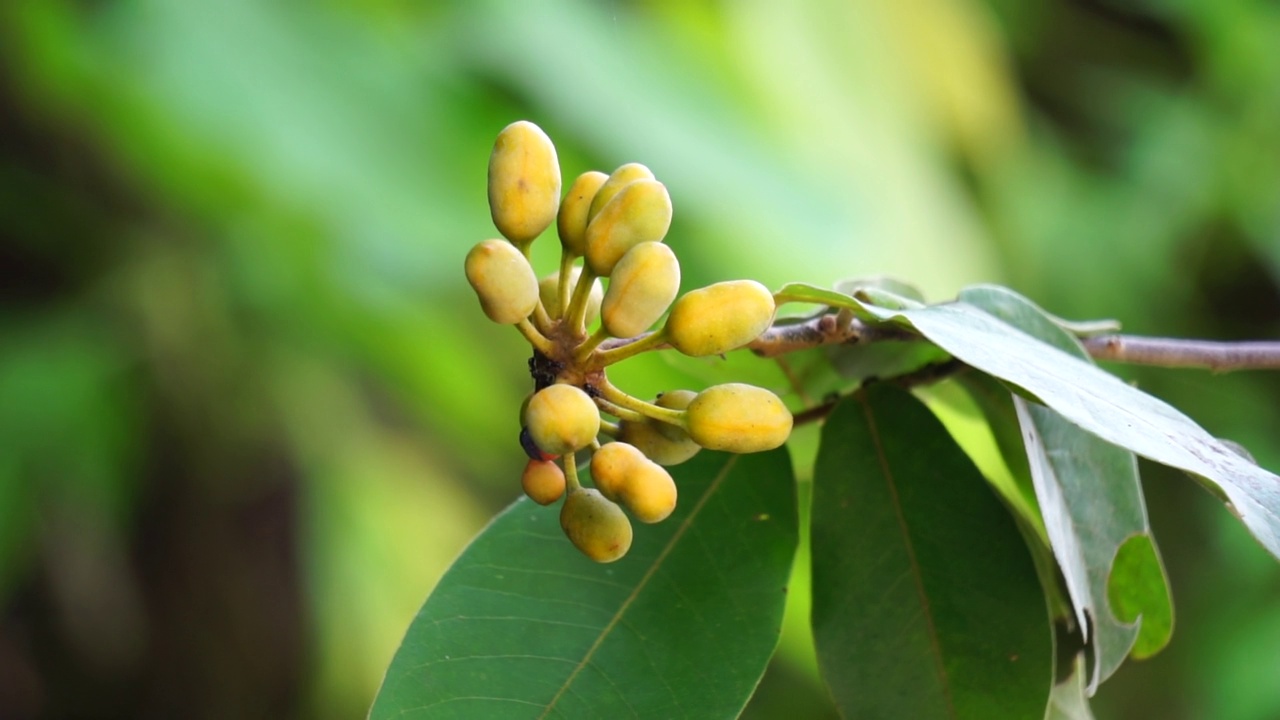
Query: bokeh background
{"points": [[250, 410]]}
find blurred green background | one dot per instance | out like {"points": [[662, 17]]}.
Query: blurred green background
{"points": [[250, 410]]}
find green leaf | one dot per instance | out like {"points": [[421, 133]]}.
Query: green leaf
{"points": [[1091, 501], [996, 403], [523, 626], [926, 603], [806, 293], [1102, 404]]}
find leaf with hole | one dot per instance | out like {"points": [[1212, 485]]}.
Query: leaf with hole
{"points": [[1092, 504], [1102, 404]]}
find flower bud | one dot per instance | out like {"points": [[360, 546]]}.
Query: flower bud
{"points": [[640, 212], [575, 211], [543, 481], [623, 474], [720, 317], [738, 418], [524, 182], [595, 525], [641, 288], [503, 280], [620, 178], [562, 419]]}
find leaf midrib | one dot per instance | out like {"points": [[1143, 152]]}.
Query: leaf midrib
{"points": [[916, 573], [640, 586]]}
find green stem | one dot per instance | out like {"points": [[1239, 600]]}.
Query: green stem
{"points": [[634, 404], [652, 341], [590, 344], [610, 428], [524, 249], [541, 320], [577, 310], [562, 287], [570, 461], [619, 412], [535, 338]]}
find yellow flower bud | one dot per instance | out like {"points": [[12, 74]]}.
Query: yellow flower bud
{"points": [[720, 317], [623, 474], [620, 178], [595, 525], [543, 481], [575, 211], [641, 288], [640, 212], [562, 419], [503, 280], [738, 418], [524, 182]]}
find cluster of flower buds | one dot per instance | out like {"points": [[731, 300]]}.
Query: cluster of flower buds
{"points": [[612, 228]]}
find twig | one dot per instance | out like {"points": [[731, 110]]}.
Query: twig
{"points": [[827, 329], [822, 330], [1177, 353], [1132, 349]]}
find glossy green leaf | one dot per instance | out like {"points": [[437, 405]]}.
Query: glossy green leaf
{"points": [[1091, 500], [1102, 404], [996, 404], [523, 626], [925, 600]]}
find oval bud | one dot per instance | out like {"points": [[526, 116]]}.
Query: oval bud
{"points": [[720, 317], [620, 178], [562, 419], [503, 280], [651, 493], [595, 525], [549, 291], [623, 474], [575, 211], [611, 466], [543, 481], [641, 288], [640, 212], [738, 418], [524, 182]]}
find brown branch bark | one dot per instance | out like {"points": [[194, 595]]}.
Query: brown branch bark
{"points": [[831, 329], [1179, 353]]}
